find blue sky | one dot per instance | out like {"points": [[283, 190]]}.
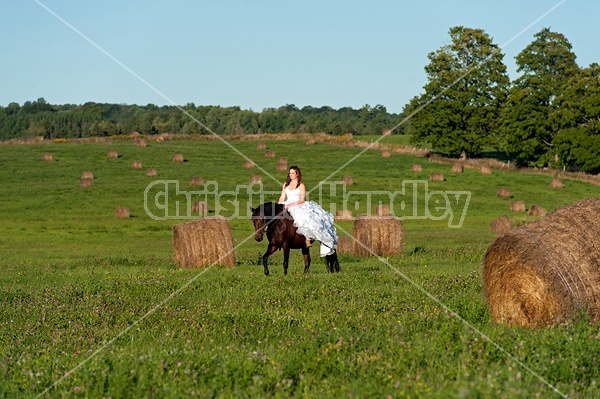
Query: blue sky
{"points": [[257, 54]]}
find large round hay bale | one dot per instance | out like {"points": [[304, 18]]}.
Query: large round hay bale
{"points": [[151, 172], [386, 132], [347, 180], [178, 158], [536, 210], [121, 212], [517, 206], [501, 225], [136, 165], [556, 183], [503, 192], [344, 245], [197, 181], [248, 164], [204, 242], [140, 143], [87, 175], [485, 170], [261, 146], [436, 176], [377, 235], [113, 154], [548, 270], [47, 157], [269, 154], [456, 168], [255, 179], [200, 208], [382, 210], [344, 215], [282, 164], [386, 154], [310, 141], [85, 182], [416, 168]]}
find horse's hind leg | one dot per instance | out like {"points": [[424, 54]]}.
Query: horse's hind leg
{"points": [[306, 253], [286, 260]]}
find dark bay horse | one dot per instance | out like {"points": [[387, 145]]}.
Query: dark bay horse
{"points": [[282, 234]]}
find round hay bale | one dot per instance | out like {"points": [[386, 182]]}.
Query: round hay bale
{"points": [[501, 225], [556, 183], [121, 212], [255, 179], [416, 168], [310, 141], [517, 206], [261, 146], [204, 242], [197, 181], [344, 215], [178, 158], [160, 139], [347, 180], [248, 164], [344, 245], [269, 154], [380, 235], [113, 154], [151, 172], [85, 182], [140, 143], [456, 168], [536, 210], [386, 154], [503, 192], [134, 134], [47, 157], [548, 270], [87, 175], [348, 143], [386, 132], [436, 176], [136, 165], [485, 170], [382, 210], [282, 164], [200, 208]]}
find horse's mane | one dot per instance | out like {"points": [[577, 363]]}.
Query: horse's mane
{"points": [[271, 209]]}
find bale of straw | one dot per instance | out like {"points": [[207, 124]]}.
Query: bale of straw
{"points": [[121, 212], [134, 134], [377, 235], [436, 176], [556, 183], [113, 154], [255, 179], [47, 157], [536, 210], [485, 170], [547, 271], [517, 206], [178, 158], [85, 182], [382, 210], [282, 164], [310, 141], [344, 245], [344, 215], [204, 242], [140, 143], [261, 146], [456, 168], [269, 154], [197, 181], [200, 208], [416, 168], [347, 180], [136, 165], [386, 154], [503, 192], [248, 164], [151, 172], [386, 132], [87, 175], [501, 225]]}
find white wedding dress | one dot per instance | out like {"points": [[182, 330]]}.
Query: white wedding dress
{"points": [[312, 221]]}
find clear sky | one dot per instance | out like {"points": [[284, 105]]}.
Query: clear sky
{"points": [[257, 54]]}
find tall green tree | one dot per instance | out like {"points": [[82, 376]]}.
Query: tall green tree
{"points": [[546, 64], [467, 84]]}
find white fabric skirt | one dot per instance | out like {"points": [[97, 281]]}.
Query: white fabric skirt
{"points": [[315, 223]]}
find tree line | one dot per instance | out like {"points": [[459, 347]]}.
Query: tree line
{"points": [[548, 116], [39, 118]]}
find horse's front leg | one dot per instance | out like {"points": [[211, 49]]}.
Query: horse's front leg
{"points": [[306, 253], [286, 259], [265, 258]]}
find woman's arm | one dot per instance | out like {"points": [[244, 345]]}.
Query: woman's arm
{"points": [[282, 196]]}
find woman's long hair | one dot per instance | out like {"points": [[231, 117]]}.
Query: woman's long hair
{"points": [[299, 178]]}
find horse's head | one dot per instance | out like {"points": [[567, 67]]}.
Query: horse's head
{"points": [[258, 219]]}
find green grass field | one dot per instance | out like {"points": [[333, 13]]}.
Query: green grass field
{"points": [[92, 306]]}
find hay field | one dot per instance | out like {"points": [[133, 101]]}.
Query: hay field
{"points": [[74, 278]]}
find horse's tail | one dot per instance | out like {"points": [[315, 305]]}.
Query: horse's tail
{"points": [[333, 265]]}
